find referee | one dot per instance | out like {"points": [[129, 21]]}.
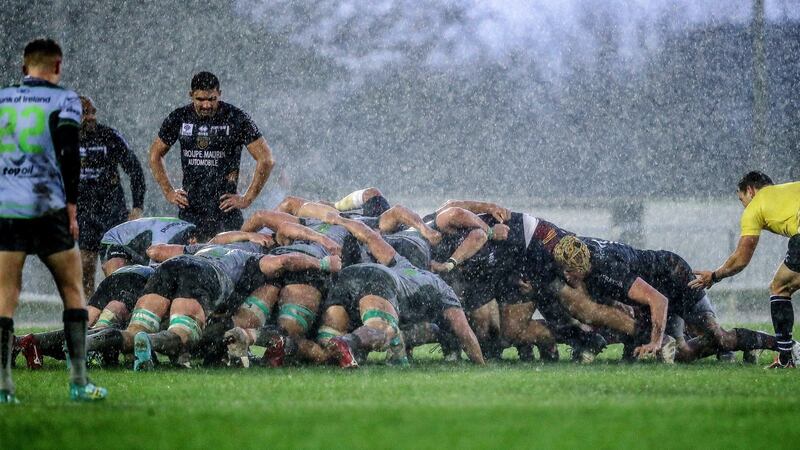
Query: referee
{"points": [[776, 208], [211, 134], [39, 168]]}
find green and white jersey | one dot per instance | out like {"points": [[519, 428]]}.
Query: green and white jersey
{"points": [[30, 178], [148, 231]]}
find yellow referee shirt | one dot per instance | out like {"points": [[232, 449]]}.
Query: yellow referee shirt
{"points": [[774, 208]]}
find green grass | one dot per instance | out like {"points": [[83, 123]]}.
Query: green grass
{"points": [[432, 405]]}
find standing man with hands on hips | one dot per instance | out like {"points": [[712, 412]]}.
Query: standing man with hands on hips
{"points": [[211, 134]]}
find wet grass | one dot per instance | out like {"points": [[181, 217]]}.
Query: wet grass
{"points": [[432, 405]]}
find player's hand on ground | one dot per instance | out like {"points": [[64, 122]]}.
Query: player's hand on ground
{"points": [[233, 201], [500, 232], [332, 246], [72, 216], [647, 351], [136, 213], [499, 213], [702, 280], [178, 197]]}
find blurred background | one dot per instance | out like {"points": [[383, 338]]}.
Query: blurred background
{"points": [[623, 119]]}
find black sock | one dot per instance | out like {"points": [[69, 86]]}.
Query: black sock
{"points": [[6, 345], [167, 342], [783, 321], [754, 340], [51, 343], [75, 335]]}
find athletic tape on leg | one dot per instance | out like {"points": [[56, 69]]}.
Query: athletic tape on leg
{"points": [[146, 320], [185, 323], [300, 314], [326, 333], [377, 314], [107, 319], [257, 307]]}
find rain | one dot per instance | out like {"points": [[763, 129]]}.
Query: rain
{"points": [[627, 120]]}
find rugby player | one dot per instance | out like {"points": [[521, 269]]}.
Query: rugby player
{"points": [[211, 134], [127, 243], [109, 306], [39, 176], [772, 207], [657, 280], [101, 201], [385, 293]]}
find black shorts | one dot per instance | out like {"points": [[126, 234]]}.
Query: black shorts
{"points": [[91, 228], [670, 276], [42, 236], [125, 287], [792, 260], [355, 282], [188, 276], [211, 221]]}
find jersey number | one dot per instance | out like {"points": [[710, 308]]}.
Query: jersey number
{"points": [[35, 129]]}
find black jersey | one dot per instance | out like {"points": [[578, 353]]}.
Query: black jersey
{"points": [[100, 191], [211, 150], [616, 266]]}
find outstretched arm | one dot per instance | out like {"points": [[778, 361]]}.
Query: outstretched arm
{"points": [[162, 252], [500, 213], [275, 265], [735, 263], [380, 249], [315, 210], [458, 323], [288, 232], [642, 292], [269, 219], [398, 215], [229, 237], [474, 241]]}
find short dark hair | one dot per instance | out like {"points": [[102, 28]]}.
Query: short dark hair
{"points": [[754, 179], [41, 51], [205, 81]]}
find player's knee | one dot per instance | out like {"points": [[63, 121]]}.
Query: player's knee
{"points": [[144, 320], [187, 327], [295, 319]]}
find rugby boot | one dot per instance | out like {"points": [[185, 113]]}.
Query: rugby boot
{"points": [[29, 346], [238, 350], [725, 356], [668, 349], [777, 364], [87, 392], [8, 398], [275, 351], [548, 353], [142, 352], [343, 353], [525, 353]]}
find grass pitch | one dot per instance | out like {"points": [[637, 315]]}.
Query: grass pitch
{"points": [[509, 404]]}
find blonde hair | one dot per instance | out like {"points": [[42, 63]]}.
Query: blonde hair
{"points": [[572, 254]]}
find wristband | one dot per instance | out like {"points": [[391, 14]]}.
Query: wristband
{"points": [[714, 278], [490, 233], [325, 264], [449, 266], [452, 261]]}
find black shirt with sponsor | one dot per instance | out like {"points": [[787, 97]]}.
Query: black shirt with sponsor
{"points": [[211, 150], [100, 191]]}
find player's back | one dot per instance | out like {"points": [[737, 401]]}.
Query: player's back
{"points": [[29, 170]]}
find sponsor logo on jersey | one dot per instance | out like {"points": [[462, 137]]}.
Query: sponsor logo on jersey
{"points": [[202, 142], [187, 129], [220, 130]]}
